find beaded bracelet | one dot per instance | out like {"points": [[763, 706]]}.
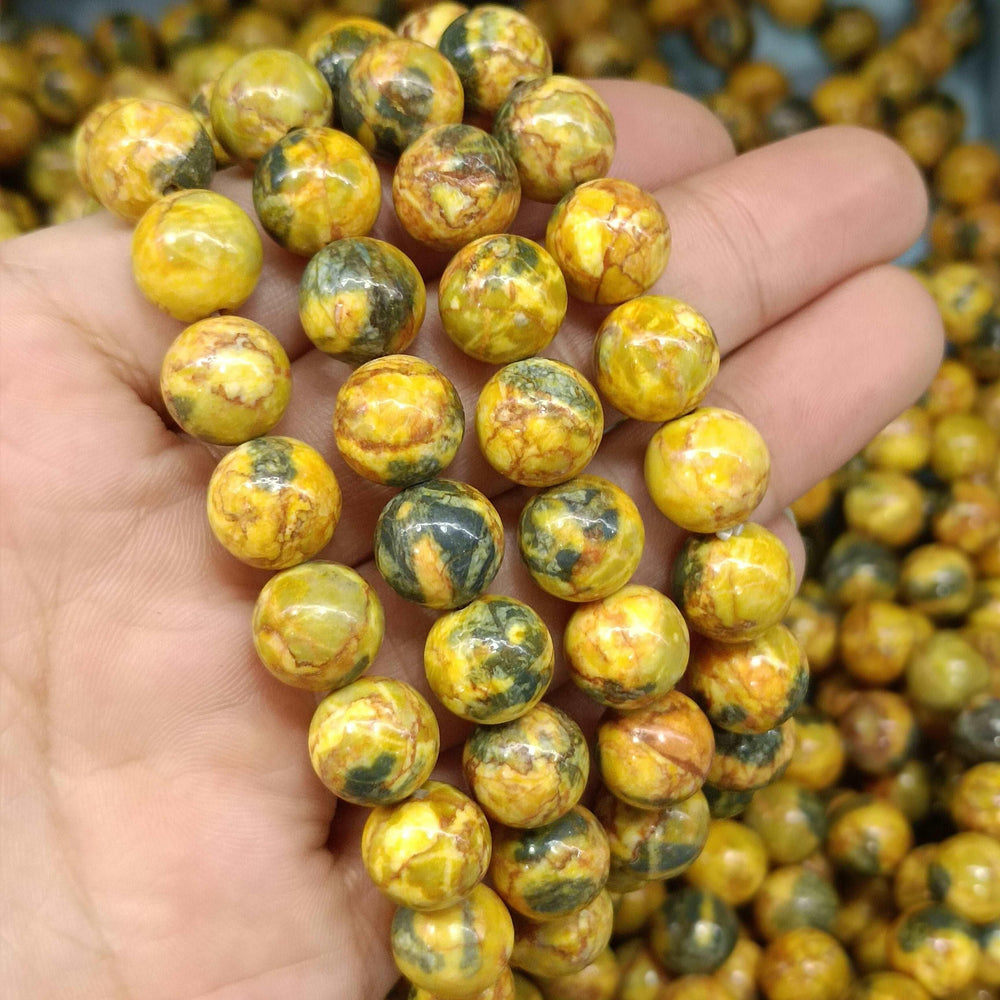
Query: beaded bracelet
{"points": [[274, 502]]}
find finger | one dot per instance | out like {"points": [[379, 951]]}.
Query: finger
{"points": [[758, 237]]}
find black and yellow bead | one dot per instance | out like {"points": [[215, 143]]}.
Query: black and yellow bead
{"points": [[791, 897], [748, 761], [790, 819], [693, 931]]}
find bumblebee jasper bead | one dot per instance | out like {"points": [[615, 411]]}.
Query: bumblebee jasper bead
{"points": [[317, 626], [491, 661], [225, 380], [887, 506], [750, 687], [858, 569], [936, 947], [628, 648], [503, 989], [652, 844], [427, 24], [965, 876], [732, 864], [693, 931], [735, 587], [456, 951], [879, 732], [945, 672], [273, 502], [581, 540], [559, 132], [429, 850], [493, 48], [141, 150], [611, 240], [707, 471], [263, 95], [725, 804], [641, 975], [633, 908], [398, 420], [394, 91], [453, 185], [887, 986], [867, 836], [64, 89], [791, 897], [904, 444], [564, 945], [313, 186], [333, 52], [125, 38], [804, 964], [876, 640], [597, 981], [975, 802], [656, 755], [84, 132], [439, 543], [812, 618], [530, 771], [502, 298], [552, 870], [748, 761], [194, 253], [373, 742], [538, 422], [791, 821], [361, 298], [655, 358]]}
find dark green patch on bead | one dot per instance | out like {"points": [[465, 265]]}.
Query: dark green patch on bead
{"points": [[193, 168], [754, 750], [701, 932], [851, 556], [400, 472], [536, 845], [454, 46], [271, 463], [938, 880], [409, 946], [919, 928], [471, 954], [541, 379], [659, 857], [942, 583], [723, 804], [182, 406], [560, 895], [813, 903], [729, 715], [368, 781], [125, 40]]}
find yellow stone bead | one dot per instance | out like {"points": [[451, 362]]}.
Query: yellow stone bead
{"points": [[273, 502], [566, 945], [707, 471]]}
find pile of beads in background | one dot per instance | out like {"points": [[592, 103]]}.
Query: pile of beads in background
{"points": [[858, 858]]}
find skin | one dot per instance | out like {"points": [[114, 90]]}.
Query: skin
{"points": [[164, 834]]}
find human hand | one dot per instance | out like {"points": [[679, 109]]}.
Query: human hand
{"points": [[162, 833]]}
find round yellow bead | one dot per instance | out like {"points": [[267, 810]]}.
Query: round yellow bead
{"points": [[707, 471]]}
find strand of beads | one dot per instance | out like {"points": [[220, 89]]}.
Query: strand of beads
{"points": [[274, 502]]}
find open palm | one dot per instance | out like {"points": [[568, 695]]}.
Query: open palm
{"points": [[162, 834]]}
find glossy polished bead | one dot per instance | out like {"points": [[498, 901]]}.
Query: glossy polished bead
{"points": [[429, 850], [395, 91], [747, 761], [505, 988], [793, 896], [194, 253], [538, 422], [652, 844], [656, 755], [373, 742], [581, 540], [965, 876], [263, 95], [493, 48], [804, 964], [334, 51], [750, 687], [936, 947], [707, 471], [316, 185], [879, 732], [611, 240], [273, 502], [318, 625], [628, 648], [361, 298], [502, 298], [439, 543], [398, 420], [693, 931], [867, 836], [791, 821], [559, 132], [84, 132], [655, 358], [552, 870], [732, 864], [735, 587], [565, 945], [455, 951], [453, 185], [143, 149], [226, 380], [491, 661], [427, 24], [530, 771]]}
